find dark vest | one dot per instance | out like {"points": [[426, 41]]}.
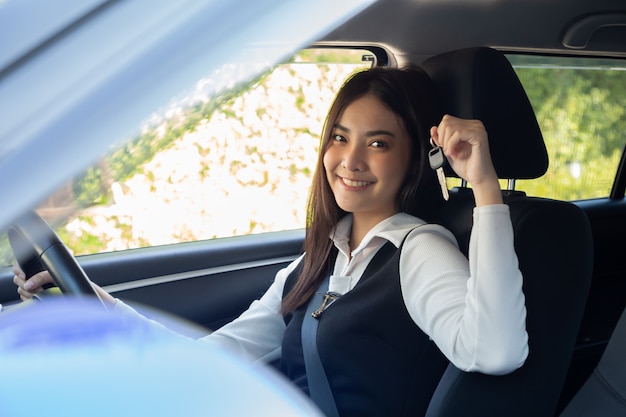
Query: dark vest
{"points": [[378, 361]]}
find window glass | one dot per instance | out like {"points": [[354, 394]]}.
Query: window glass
{"points": [[581, 109], [233, 165], [580, 105]]}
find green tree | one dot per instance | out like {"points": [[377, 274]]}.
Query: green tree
{"points": [[581, 114]]}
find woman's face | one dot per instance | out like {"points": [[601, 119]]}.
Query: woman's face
{"points": [[367, 158]]}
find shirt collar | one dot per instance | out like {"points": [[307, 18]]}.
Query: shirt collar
{"points": [[393, 229]]}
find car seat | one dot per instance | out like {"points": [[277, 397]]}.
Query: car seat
{"points": [[604, 392], [552, 239]]}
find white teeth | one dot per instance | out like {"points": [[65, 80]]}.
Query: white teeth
{"points": [[351, 183]]}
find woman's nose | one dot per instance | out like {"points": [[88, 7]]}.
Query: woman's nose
{"points": [[353, 159]]}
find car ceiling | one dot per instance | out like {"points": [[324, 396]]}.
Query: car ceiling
{"points": [[415, 29]]}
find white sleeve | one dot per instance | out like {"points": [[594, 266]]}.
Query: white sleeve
{"points": [[257, 333], [473, 310]]}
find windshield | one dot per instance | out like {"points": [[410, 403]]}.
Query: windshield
{"points": [[89, 79]]}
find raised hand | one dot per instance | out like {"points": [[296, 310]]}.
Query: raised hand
{"points": [[465, 145]]}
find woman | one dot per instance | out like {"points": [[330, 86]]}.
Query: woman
{"points": [[404, 292]]}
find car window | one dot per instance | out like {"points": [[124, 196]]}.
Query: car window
{"points": [[242, 164], [234, 165], [580, 107]]}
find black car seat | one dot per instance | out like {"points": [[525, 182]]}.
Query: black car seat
{"points": [[552, 239], [604, 392]]}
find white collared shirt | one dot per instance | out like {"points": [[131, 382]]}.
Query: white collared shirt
{"points": [[349, 266]]}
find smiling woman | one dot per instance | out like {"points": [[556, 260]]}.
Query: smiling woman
{"points": [[200, 211], [365, 246]]}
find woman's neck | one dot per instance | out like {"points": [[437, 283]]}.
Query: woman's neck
{"points": [[361, 225]]}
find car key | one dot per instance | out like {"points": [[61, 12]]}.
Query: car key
{"points": [[436, 159]]}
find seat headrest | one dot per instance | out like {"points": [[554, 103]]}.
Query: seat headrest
{"points": [[480, 83]]}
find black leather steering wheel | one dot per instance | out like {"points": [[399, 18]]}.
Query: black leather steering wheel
{"points": [[36, 247]]}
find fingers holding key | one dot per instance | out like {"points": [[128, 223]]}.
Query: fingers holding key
{"points": [[466, 147]]}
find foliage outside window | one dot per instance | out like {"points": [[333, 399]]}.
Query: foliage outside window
{"points": [[233, 164], [580, 105]]}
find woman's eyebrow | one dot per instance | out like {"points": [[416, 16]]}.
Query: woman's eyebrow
{"points": [[340, 127], [369, 133]]}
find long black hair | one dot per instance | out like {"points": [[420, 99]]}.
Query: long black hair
{"points": [[408, 93]]}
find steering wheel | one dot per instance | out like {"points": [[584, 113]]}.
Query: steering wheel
{"points": [[37, 247]]}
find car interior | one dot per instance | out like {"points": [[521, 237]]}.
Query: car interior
{"points": [[570, 250], [604, 390]]}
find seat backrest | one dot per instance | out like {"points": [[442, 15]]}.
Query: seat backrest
{"points": [[553, 241], [604, 392]]}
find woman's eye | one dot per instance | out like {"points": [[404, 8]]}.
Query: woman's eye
{"points": [[338, 138], [378, 144]]}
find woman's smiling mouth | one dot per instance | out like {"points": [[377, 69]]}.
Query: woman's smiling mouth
{"points": [[355, 184]]}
